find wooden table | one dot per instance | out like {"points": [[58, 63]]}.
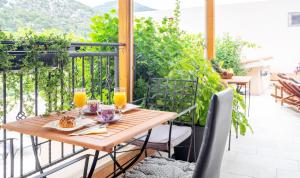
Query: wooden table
{"points": [[132, 124], [242, 81]]}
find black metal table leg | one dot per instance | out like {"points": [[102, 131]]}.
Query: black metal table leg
{"points": [[115, 156], [249, 85], [245, 96], [34, 147], [12, 157], [116, 163], [229, 140], [122, 170], [86, 165], [93, 164]]}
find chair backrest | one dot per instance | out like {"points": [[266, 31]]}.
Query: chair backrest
{"points": [[171, 95], [289, 87], [216, 131], [295, 87]]}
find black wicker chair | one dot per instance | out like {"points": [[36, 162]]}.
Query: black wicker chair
{"points": [[209, 161]]}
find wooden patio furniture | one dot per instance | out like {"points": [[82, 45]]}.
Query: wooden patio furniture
{"points": [[289, 91]]}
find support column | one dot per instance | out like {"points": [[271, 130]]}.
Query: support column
{"points": [[210, 29], [126, 52]]}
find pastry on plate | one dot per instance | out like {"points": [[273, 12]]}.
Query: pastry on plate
{"points": [[67, 122]]}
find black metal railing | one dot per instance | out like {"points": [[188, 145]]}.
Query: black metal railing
{"points": [[94, 66]]}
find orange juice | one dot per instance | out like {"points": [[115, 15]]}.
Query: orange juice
{"points": [[80, 99], [120, 99]]}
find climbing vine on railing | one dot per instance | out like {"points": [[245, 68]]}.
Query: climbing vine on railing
{"points": [[39, 57], [40, 71]]}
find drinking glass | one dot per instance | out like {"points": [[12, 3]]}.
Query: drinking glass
{"points": [[80, 100], [120, 98]]}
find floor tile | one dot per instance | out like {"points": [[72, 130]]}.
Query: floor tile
{"points": [[272, 151]]}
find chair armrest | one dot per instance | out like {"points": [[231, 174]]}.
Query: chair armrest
{"points": [[187, 110]]}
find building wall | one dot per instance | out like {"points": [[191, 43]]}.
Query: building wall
{"points": [[264, 23]]}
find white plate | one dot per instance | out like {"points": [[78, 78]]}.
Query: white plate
{"points": [[129, 107], [79, 123]]}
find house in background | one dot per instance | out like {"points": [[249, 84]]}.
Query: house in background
{"points": [[272, 24]]}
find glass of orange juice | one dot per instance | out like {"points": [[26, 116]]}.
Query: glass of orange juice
{"points": [[120, 98], [80, 99]]}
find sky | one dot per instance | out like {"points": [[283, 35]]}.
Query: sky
{"points": [[167, 4]]}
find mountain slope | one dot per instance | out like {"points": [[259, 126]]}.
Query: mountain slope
{"points": [[106, 7], [65, 15]]}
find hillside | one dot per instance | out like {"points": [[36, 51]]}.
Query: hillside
{"points": [[65, 15], [106, 7]]}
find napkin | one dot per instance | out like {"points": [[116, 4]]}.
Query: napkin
{"points": [[92, 130]]}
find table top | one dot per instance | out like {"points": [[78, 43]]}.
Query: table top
{"points": [[238, 80], [132, 124]]}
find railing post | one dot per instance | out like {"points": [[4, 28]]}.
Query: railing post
{"points": [[116, 58], [4, 122]]}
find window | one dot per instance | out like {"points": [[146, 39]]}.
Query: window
{"points": [[294, 19]]}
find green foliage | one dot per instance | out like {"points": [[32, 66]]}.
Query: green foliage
{"points": [[162, 50], [155, 45], [49, 73], [177, 13], [30, 40], [6, 59], [238, 114], [5, 62], [228, 53], [193, 65], [104, 28], [47, 60]]}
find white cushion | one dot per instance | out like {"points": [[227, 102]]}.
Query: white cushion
{"points": [[160, 136]]}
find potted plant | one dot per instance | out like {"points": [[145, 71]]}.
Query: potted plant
{"points": [[194, 65], [32, 50], [224, 73]]}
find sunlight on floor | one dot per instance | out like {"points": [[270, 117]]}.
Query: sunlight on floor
{"points": [[272, 151]]}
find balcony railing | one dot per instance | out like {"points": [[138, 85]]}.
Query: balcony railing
{"points": [[93, 66]]}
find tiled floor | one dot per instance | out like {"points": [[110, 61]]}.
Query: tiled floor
{"points": [[273, 150]]}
